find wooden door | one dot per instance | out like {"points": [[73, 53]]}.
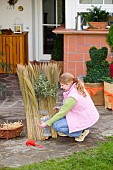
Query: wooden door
{"points": [[14, 50]]}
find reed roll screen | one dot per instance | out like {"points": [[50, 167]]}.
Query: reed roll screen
{"points": [[28, 74]]}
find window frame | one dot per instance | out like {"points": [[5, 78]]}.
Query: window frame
{"points": [[82, 7]]}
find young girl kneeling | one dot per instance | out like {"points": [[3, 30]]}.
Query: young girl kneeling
{"points": [[78, 112]]}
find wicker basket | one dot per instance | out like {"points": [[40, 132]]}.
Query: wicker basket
{"points": [[10, 130]]}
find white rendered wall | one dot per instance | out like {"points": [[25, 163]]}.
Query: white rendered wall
{"points": [[73, 6], [8, 16], [70, 13], [31, 18]]}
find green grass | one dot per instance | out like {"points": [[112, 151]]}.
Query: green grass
{"points": [[99, 158]]}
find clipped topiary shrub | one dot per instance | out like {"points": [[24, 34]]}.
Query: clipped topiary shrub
{"points": [[98, 66]]}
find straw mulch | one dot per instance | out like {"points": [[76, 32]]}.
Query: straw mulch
{"points": [[27, 76]]}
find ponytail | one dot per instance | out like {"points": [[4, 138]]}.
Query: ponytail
{"points": [[75, 80], [80, 87]]}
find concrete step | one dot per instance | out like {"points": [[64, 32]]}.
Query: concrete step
{"points": [[9, 86]]}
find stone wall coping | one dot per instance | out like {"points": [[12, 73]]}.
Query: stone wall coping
{"points": [[61, 30]]}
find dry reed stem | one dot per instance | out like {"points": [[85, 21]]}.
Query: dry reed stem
{"points": [[31, 107], [51, 103], [27, 76]]}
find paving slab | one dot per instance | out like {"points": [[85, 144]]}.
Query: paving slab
{"points": [[14, 152]]}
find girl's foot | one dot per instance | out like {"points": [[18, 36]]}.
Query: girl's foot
{"points": [[82, 136], [61, 134]]}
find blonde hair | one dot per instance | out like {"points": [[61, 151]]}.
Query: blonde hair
{"points": [[69, 78]]}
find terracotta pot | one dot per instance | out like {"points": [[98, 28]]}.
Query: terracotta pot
{"points": [[108, 95], [96, 91], [98, 25]]}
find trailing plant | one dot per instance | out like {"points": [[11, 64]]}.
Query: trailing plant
{"points": [[95, 14], [98, 66], [108, 80], [5, 66], [109, 38], [3, 89], [12, 3]]}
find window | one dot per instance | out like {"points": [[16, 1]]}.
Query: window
{"points": [[52, 17], [96, 1], [105, 4], [108, 1]]}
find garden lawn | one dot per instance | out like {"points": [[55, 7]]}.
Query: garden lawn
{"points": [[99, 158]]}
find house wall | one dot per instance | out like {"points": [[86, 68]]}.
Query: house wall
{"points": [[70, 13], [8, 17], [76, 49], [31, 18], [73, 6], [77, 45]]}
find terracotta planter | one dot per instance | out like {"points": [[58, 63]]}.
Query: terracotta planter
{"points": [[96, 91], [98, 25], [108, 95]]}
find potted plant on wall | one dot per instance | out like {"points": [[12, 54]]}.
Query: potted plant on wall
{"points": [[96, 17], [97, 68]]}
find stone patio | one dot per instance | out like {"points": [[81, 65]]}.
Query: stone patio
{"points": [[14, 152]]}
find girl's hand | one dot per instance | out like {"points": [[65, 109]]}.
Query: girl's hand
{"points": [[42, 125], [56, 108]]}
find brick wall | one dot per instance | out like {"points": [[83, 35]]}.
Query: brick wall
{"points": [[76, 51], [77, 45]]}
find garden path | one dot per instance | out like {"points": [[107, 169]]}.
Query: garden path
{"points": [[14, 152]]}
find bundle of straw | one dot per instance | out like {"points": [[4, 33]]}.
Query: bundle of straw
{"points": [[30, 103], [52, 72], [27, 76]]}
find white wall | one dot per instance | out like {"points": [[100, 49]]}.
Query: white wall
{"points": [[8, 16], [73, 6], [70, 13], [31, 18]]}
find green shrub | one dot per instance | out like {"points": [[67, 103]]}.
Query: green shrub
{"points": [[5, 66], [57, 53], [109, 38], [43, 88], [98, 66]]}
